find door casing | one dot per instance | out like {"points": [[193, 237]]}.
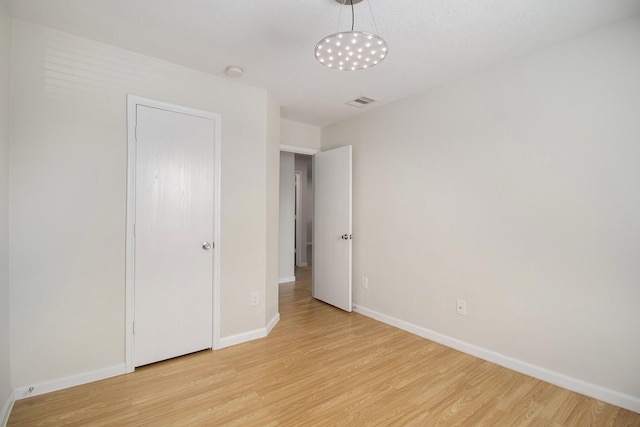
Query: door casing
{"points": [[132, 102]]}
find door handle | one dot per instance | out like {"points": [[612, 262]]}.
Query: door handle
{"points": [[206, 246], [346, 236]]}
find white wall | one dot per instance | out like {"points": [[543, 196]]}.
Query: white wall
{"points": [[273, 207], [287, 217], [516, 189], [68, 195], [299, 134], [5, 365]]}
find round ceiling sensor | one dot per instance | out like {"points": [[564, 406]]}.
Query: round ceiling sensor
{"points": [[234, 71]]}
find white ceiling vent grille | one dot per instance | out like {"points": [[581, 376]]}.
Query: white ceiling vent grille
{"points": [[361, 102]]}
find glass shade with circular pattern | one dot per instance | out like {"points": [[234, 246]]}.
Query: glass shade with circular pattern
{"points": [[351, 50]]}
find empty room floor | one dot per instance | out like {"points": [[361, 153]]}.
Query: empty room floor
{"points": [[321, 366]]}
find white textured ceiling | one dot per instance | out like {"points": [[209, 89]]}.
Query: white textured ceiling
{"points": [[430, 41]]}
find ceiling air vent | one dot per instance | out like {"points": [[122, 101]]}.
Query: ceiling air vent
{"points": [[361, 102]]}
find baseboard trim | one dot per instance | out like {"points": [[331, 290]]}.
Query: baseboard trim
{"points": [[286, 279], [274, 321], [112, 371], [588, 389], [303, 264], [71, 381], [242, 337], [7, 406]]}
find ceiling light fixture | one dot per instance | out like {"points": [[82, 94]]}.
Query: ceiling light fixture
{"points": [[351, 50]]}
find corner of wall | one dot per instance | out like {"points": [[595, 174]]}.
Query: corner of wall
{"points": [[5, 409], [297, 134], [273, 200], [6, 392]]}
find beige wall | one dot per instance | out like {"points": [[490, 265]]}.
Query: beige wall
{"points": [[5, 53], [68, 196], [299, 135], [516, 189], [273, 206]]}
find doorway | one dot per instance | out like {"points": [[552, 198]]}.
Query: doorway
{"points": [[304, 210], [330, 227], [296, 213]]}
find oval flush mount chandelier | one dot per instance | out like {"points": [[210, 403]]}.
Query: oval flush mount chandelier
{"points": [[351, 50]]}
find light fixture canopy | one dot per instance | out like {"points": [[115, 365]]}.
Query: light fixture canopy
{"points": [[234, 71], [351, 50]]}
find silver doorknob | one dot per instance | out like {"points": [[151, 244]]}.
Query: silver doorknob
{"points": [[206, 246], [345, 237]]}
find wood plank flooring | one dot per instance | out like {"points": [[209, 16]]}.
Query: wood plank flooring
{"points": [[321, 366]]}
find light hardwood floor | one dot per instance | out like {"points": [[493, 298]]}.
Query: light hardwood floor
{"points": [[321, 366]]}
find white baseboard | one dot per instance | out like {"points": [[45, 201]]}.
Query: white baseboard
{"points": [[66, 382], [303, 264], [242, 337], [592, 390], [287, 279], [6, 408], [273, 323], [112, 371], [249, 335]]}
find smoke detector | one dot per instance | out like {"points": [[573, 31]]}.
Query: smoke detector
{"points": [[234, 71]]}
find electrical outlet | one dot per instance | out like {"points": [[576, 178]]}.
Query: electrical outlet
{"points": [[255, 298], [364, 282], [461, 307]]}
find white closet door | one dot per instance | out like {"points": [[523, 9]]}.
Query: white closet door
{"points": [[174, 193]]}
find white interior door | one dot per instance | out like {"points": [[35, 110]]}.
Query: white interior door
{"points": [[332, 227], [174, 194]]}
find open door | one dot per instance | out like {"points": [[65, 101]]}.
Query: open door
{"points": [[332, 227]]}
